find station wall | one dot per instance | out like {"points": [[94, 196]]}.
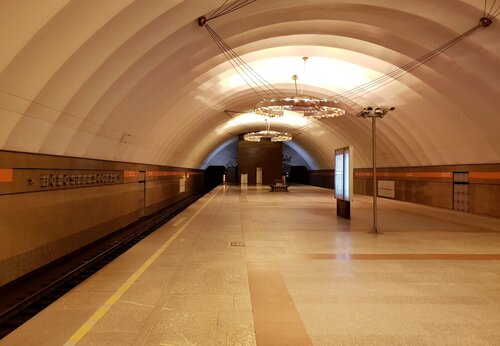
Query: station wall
{"points": [[468, 188], [51, 206], [322, 178]]}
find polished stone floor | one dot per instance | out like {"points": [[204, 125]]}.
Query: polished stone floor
{"points": [[247, 266]]}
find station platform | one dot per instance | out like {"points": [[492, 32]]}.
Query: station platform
{"points": [[246, 266]]}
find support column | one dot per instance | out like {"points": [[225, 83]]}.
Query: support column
{"points": [[374, 156], [378, 112]]}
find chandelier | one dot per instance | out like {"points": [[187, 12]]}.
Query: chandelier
{"points": [[274, 136], [308, 106], [275, 101]]}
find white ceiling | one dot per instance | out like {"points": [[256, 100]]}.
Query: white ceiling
{"points": [[141, 81]]}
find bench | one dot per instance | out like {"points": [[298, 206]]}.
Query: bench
{"points": [[278, 188], [278, 185]]}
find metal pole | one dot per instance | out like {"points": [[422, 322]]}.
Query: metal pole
{"points": [[365, 113], [374, 153]]}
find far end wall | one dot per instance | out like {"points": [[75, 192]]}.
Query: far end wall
{"points": [[264, 154]]}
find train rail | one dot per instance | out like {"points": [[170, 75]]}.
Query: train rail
{"points": [[28, 296]]}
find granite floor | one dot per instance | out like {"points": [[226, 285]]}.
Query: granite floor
{"points": [[247, 266]]}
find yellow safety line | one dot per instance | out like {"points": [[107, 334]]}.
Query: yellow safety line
{"points": [[87, 326]]}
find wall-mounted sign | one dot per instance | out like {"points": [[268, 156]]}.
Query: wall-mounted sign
{"points": [[23, 180], [344, 174], [182, 184], [60, 180], [387, 188]]}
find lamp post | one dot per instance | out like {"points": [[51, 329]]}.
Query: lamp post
{"points": [[379, 112]]}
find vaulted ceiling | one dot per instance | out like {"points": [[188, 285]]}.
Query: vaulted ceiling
{"points": [[141, 81]]}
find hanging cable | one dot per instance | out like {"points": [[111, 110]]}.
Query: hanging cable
{"points": [[241, 69], [221, 6], [261, 79], [491, 8], [239, 64], [295, 77], [251, 76], [491, 13], [303, 75], [221, 11], [233, 8], [406, 68], [59, 111], [79, 129], [229, 58], [495, 13], [83, 120], [400, 72], [260, 82]]}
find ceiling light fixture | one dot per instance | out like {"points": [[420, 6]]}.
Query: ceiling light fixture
{"points": [[308, 106], [274, 136], [270, 94], [274, 101]]}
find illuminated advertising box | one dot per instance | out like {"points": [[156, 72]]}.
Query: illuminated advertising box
{"points": [[344, 181]]}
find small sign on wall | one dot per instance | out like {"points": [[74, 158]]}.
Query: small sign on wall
{"points": [[244, 179], [387, 188], [182, 185]]}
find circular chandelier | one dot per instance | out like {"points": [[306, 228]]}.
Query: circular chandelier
{"points": [[274, 136], [308, 106]]}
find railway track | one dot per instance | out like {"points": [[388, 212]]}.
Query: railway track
{"points": [[28, 296]]}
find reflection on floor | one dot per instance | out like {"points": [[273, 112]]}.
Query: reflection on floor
{"points": [[295, 274]]}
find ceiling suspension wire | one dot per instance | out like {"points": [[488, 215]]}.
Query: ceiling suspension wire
{"points": [[405, 69], [73, 115], [264, 82], [491, 8], [491, 14], [81, 118], [254, 80], [266, 88], [237, 65], [260, 82], [304, 58], [221, 11], [410, 66], [485, 21], [495, 13], [137, 143], [233, 7], [221, 6], [229, 58]]}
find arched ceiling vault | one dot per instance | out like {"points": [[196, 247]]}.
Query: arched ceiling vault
{"points": [[141, 81]]}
